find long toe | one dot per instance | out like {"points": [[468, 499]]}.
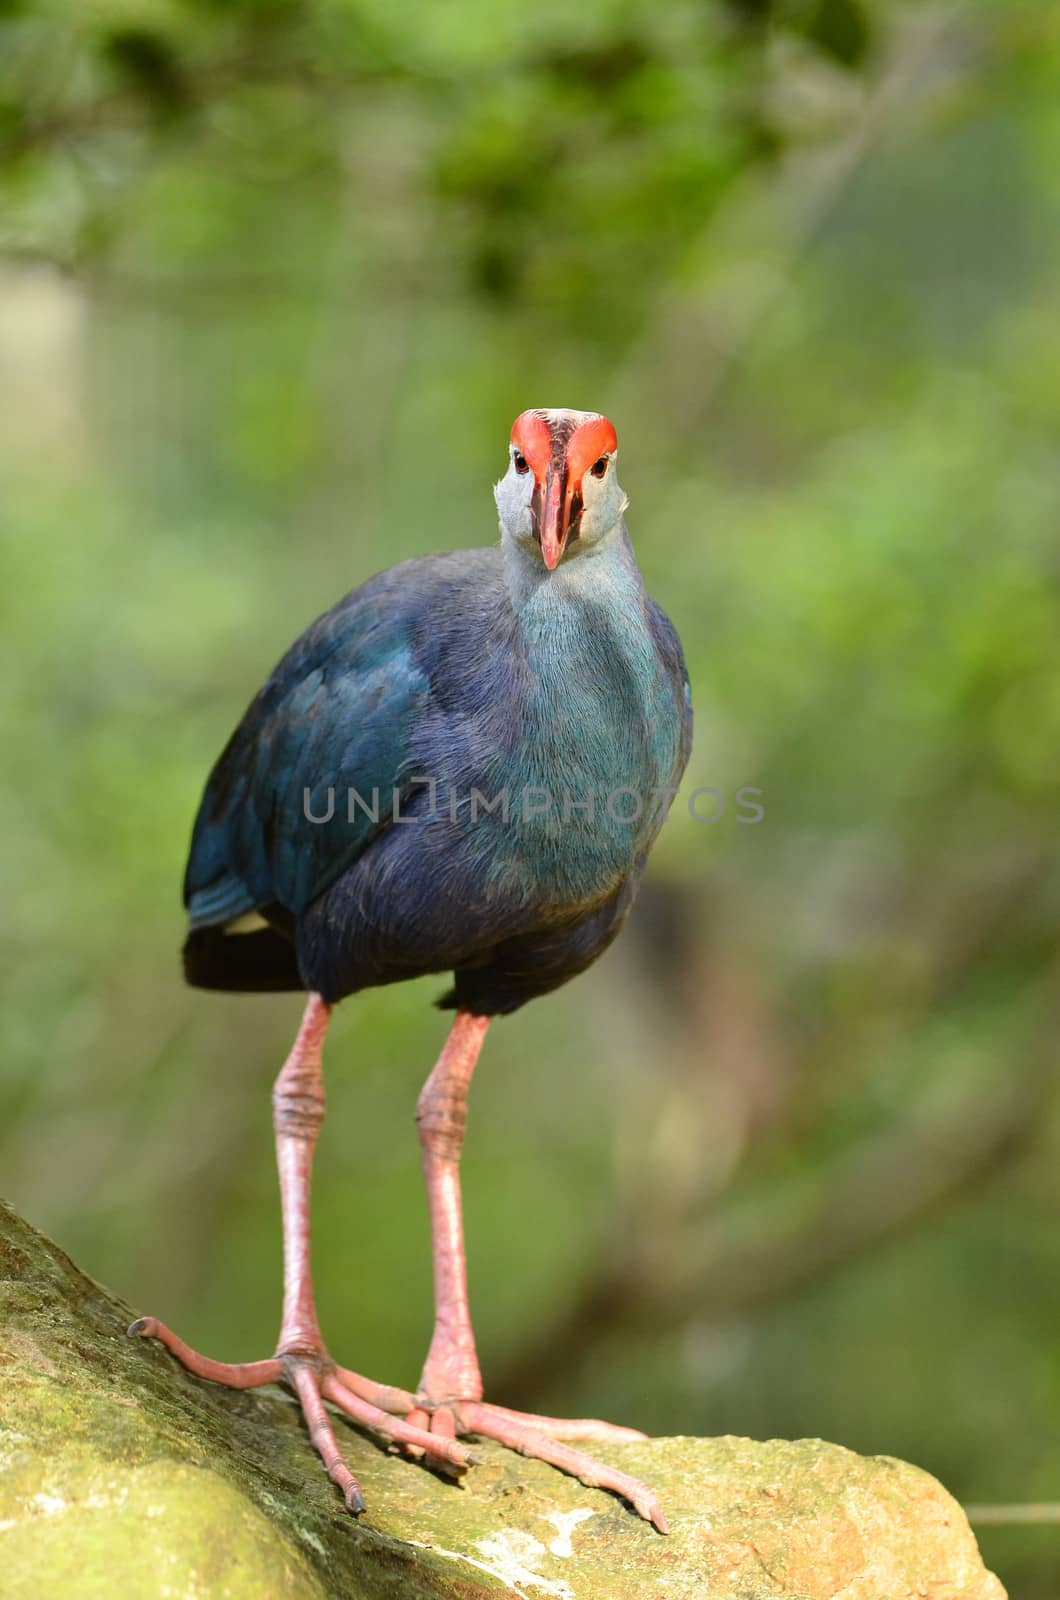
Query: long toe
{"points": [[566, 1427], [300, 1374], [233, 1374], [439, 1446], [308, 1388], [492, 1422]]}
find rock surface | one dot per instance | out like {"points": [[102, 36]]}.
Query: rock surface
{"points": [[121, 1475]]}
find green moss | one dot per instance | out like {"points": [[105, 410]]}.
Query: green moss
{"points": [[120, 1474], [158, 1529]]}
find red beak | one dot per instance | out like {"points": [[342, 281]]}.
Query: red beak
{"points": [[553, 519], [557, 518]]}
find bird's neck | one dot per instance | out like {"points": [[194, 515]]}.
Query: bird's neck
{"points": [[548, 604], [584, 631], [588, 696]]}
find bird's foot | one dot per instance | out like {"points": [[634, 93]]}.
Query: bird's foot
{"points": [[543, 1439], [422, 1425], [314, 1377]]}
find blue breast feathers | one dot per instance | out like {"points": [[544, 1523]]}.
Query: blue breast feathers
{"points": [[535, 751]]}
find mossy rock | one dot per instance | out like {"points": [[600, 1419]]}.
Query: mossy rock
{"points": [[123, 1476]]}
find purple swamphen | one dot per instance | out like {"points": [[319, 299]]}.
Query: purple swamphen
{"points": [[461, 767]]}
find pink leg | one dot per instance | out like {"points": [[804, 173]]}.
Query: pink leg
{"points": [[451, 1385], [451, 1370], [297, 1113], [450, 1398], [301, 1359]]}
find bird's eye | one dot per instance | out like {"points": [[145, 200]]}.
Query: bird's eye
{"points": [[521, 463], [598, 468]]}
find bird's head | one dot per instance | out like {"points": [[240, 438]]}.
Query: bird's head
{"points": [[560, 491]]}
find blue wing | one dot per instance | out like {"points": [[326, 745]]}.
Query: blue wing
{"points": [[668, 646], [336, 715]]}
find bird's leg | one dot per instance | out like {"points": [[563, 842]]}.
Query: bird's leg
{"points": [[451, 1369], [301, 1359], [297, 1114], [449, 1402], [450, 1397]]}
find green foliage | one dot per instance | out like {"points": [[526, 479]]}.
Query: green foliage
{"points": [[842, 29], [568, 158]]}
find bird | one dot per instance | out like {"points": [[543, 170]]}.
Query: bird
{"points": [[459, 768]]}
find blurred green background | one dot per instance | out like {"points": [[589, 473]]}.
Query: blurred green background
{"points": [[274, 279]]}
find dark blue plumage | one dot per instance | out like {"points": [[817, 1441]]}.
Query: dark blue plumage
{"points": [[458, 669]]}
